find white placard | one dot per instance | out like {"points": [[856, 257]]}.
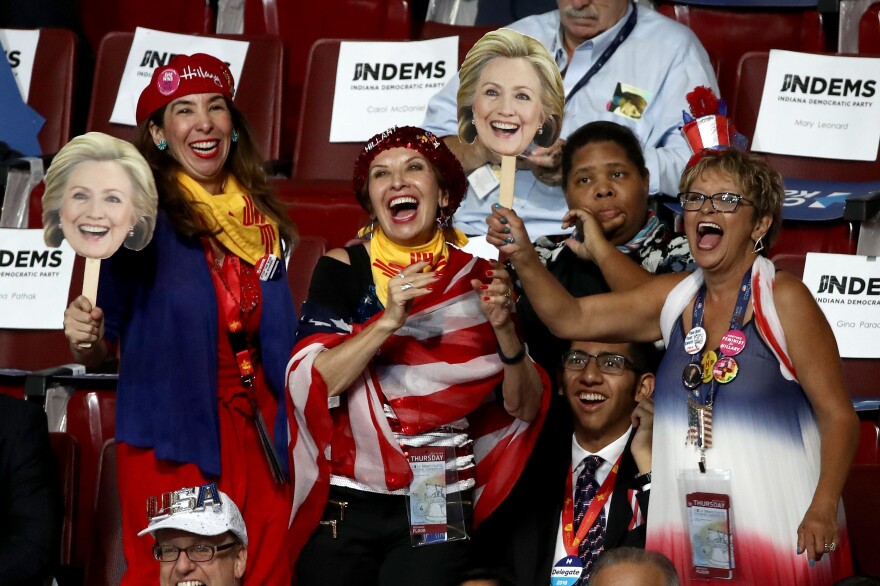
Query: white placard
{"points": [[20, 47], [151, 49], [34, 281], [820, 106], [379, 85], [847, 288]]}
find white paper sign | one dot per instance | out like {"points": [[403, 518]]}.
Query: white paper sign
{"points": [[34, 280], [847, 288], [20, 47], [820, 106], [379, 85], [151, 49]]}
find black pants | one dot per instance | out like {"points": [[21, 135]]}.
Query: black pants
{"points": [[372, 547]]}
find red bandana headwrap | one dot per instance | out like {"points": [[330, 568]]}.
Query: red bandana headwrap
{"points": [[183, 76], [417, 139]]}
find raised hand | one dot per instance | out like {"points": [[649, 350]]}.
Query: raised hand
{"points": [[496, 297], [402, 290]]}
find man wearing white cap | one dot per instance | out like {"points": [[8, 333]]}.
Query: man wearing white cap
{"points": [[201, 539]]}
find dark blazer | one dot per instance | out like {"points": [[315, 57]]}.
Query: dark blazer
{"points": [[30, 505], [518, 541]]}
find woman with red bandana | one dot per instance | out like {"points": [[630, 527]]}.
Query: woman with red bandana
{"points": [[203, 319], [406, 343]]}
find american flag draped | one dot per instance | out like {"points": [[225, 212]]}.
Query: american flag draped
{"points": [[439, 367]]}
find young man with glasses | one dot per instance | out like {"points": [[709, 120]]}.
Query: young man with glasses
{"points": [[537, 532], [201, 539]]}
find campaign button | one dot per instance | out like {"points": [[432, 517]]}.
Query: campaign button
{"points": [[732, 343], [695, 340], [725, 369], [567, 571], [692, 376], [709, 360]]}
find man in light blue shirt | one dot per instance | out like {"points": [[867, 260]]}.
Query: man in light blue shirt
{"points": [[643, 64]]}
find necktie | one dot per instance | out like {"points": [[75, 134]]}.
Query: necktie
{"points": [[594, 542]]}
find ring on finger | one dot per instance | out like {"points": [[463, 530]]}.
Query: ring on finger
{"points": [[406, 286], [829, 547], [400, 274], [507, 293]]}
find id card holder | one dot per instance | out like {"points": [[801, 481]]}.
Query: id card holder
{"points": [[709, 520], [484, 180], [435, 516]]}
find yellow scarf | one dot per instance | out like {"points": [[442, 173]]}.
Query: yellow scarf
{"points": [[387, 258], [244, 230]]}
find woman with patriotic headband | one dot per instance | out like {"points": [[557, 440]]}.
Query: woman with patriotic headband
{"points": [[406, 343], [203, 323], [754, 431]]}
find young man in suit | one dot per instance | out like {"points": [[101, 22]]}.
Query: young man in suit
{"points": [[579, 498]]}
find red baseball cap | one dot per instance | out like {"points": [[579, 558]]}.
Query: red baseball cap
{"points": [[185, 75]]}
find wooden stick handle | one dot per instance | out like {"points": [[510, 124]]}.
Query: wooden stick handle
{"points": [[508, 174], [90, 280]]}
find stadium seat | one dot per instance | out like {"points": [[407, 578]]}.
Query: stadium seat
{"points": [[467, 35], [862, 493], [66, 451], [300, 24], [869, 30], [51, 92], [336, 218], [258, 93], [302, 262], [100, 17], [107, 563], [729, 31]]}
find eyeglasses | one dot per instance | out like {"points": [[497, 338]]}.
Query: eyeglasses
{"points": [[196, 553], [725, 203], [606, 363]]}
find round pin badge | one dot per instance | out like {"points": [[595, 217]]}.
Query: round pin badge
{"points": [[168, 82], [725, 369], [695, 340], [692, 376], [567, 571], [709, 360], [732, 343]]}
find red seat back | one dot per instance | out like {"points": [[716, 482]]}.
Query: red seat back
{"points": [[301, 23], [869, 30], [728, 32], [100, 17], [51, 92], [66, 451], [467, 35], [745, 106], [107, 563], [258, 93], [302, 263]]}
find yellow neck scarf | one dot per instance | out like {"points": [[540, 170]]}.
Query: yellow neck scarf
{"points": [[243, 229], [387, 258]]}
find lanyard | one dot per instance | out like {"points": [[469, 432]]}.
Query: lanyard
{"points": [[570, 540], [628, 27]]}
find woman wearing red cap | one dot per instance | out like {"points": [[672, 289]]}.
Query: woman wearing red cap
{"points": [[406, 358], [203, 318]]}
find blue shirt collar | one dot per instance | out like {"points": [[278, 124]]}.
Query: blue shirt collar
{"points": [[597, 43]]}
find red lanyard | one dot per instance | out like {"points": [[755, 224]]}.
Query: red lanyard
{"points": [[569, 539]]}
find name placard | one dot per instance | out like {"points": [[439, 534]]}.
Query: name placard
{"points": [[34, 281], [151, 49], [820, 106], [384, 84], [20, 48], [847, 288]]}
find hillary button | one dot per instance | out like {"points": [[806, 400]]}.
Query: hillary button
{"points": [[695, 340]]}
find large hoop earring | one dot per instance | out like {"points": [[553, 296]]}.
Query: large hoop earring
{"points": [[759, 245]]}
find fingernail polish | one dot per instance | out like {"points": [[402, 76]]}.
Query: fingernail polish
{"points": [[812, 563], [487, 299], [436, 276], [497, 206], [510, 240], [800, 550], [484, 287], [507, 230], [503, 220], [490, 273]]}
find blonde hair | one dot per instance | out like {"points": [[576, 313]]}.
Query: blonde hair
{"points": [[760, 183], [510, 44], [99, 147]]}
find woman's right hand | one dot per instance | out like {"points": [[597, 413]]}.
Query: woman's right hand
{"points": [[591, 232], [83, 324], [507, 232], [402, 289]]}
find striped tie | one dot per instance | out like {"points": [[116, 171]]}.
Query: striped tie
{"points": [[594, 542]]}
